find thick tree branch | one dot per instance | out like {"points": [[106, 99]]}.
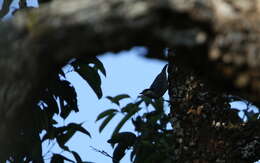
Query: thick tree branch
{"points": [[219, 39], [206, 128], [5, 8], [211, 36]]}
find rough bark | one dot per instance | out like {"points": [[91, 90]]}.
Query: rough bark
{"points": [[206, 129], [217, 39], [220, 39]]}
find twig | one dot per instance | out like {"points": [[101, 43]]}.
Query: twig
{"points": [[102, 152]]}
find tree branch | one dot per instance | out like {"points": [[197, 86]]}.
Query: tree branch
{"points": [[211, 36], [206, 34], [5, 8]]}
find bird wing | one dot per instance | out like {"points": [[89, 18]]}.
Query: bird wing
{"points": [[160, 77]]}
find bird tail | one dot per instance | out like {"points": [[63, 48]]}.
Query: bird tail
{"points": [[164, 68]]}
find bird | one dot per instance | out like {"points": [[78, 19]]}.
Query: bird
{"points": [[159, 85]]}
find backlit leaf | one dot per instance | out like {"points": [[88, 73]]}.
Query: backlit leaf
{"points": [[92, 78], [105, 122], [78, 127], [76, 156], [62, 139], [129, 107], [99, 65], [106, 113], [57, 158], [117, 98], [123, 121], [65, 111]]}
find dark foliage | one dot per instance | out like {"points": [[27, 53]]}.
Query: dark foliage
{"points": [[58, 98]]}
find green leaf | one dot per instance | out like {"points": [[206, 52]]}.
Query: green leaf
{"points": [[65, 111], [87, 60], [99, 65], [65, 134], [92, 78], [90, 74], [49, 99], [127, 117], [68, 93], [125, 138], [158, 104], [146, 100], [129, 107], [106, 113], [50, 134], [64, 91], [78, 127], [62, 139], [57, 158], [105, 122], [76, 156], [117, 98]]}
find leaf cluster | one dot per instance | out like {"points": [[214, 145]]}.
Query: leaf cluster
{"points": [[39, 124], [153, 142]]}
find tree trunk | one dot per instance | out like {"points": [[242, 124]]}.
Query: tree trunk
{"points": [[205, 127]]}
